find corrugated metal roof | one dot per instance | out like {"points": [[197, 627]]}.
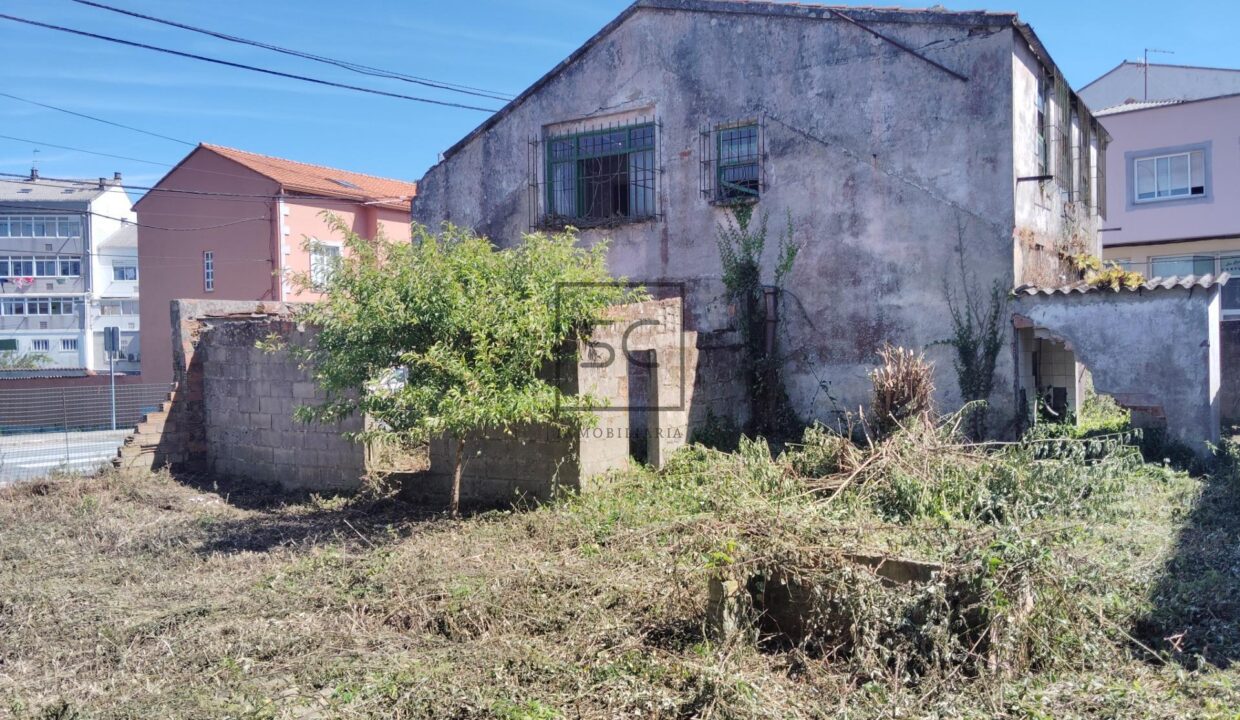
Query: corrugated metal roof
{"points": [[1168, 283], [46, 190], [33, 373], [1135, 105]]}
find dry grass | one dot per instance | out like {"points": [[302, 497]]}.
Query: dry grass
{"points": [[141, 596]]}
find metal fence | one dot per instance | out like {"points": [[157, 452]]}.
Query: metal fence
{"points": [[46, 430]]}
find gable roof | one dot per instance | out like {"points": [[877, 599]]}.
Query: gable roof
{"points": [[322, 180], [299, 177], [856, 14]]}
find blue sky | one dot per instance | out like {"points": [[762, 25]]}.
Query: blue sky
{"points": [[493, 44]]}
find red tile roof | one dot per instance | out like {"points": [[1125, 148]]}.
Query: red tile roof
{"points": [[320, 180]]}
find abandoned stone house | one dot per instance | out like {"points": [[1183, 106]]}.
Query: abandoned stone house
{"points": [[915, 154]]}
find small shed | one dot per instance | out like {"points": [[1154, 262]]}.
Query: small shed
{"points": [[1154, 348]]}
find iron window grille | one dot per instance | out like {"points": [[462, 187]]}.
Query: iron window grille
{"points": [[731, 165], [597, 177]]}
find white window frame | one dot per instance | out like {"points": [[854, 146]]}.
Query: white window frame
{"points": [[318, 271], [125, 265], [40, 345], [68, 345], [1188, 156], [208, 270]]}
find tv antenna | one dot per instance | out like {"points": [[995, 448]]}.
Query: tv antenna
{"points": [[1147, 67]]}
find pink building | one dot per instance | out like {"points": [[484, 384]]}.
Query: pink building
{"points": [[233, 225], [1173, 169]]}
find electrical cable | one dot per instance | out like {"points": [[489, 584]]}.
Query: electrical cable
{"points": [[345, 64], [96, 119], [242, 66]]}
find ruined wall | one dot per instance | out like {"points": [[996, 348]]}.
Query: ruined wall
{"points": [[882, 162], [687, 384], [249, 397], [1157, 351], [232, 409]]}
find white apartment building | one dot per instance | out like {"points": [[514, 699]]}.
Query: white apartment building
{"points": [[68, 269]]}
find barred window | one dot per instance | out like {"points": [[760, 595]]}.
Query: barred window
{"points": [[602, 175], [732, 162]]}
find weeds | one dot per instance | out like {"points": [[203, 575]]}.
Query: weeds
{"points": [[1062, 561]]}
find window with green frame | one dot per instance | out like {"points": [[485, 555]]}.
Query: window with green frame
{"points": [[737, 173], [602, 174]]}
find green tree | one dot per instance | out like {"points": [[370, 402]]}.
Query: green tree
{"points": [[10, 360], [449, 336]]}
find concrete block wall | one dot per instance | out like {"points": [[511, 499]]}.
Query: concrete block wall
{"points": [[249, 397], [693, 374], [232, 411], [533, 463]]}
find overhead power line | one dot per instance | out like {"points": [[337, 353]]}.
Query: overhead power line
{"points": [[88, 152], [242, 66], [96, 119], [19, 179], [345, 64], [62, 211]]}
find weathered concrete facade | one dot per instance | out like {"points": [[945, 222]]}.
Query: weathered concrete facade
{"points": [[887, 160], [1171, 378]]}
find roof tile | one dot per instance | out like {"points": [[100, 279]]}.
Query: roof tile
{"points": [[321, 180]]}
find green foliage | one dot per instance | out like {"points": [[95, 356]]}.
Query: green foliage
{"points": [[741, 246], [717, 433], [448, 334], [22, 361], [977, 336]]}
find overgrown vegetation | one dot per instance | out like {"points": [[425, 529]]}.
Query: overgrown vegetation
{"points": [[977, 337], [10, 360], [448, 335], [1077, 581], [1099, 273], [741, 247], [903, 387]]}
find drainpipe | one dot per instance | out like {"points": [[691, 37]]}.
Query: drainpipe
{"points": [[277, 258], [770, 299]]}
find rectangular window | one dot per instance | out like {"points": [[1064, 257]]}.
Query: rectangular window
{"points": [[737, 171], [71, 266], [40, 345], [45, 266], [8, 344], [16, 266], [13, 306], [1042, 104], [4, 226], [68, 344], [1231, 291], [323, 262], [208, 270], [124, 272], [62, 306], [1181, 266], [602, 175], [1165, 177]]}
